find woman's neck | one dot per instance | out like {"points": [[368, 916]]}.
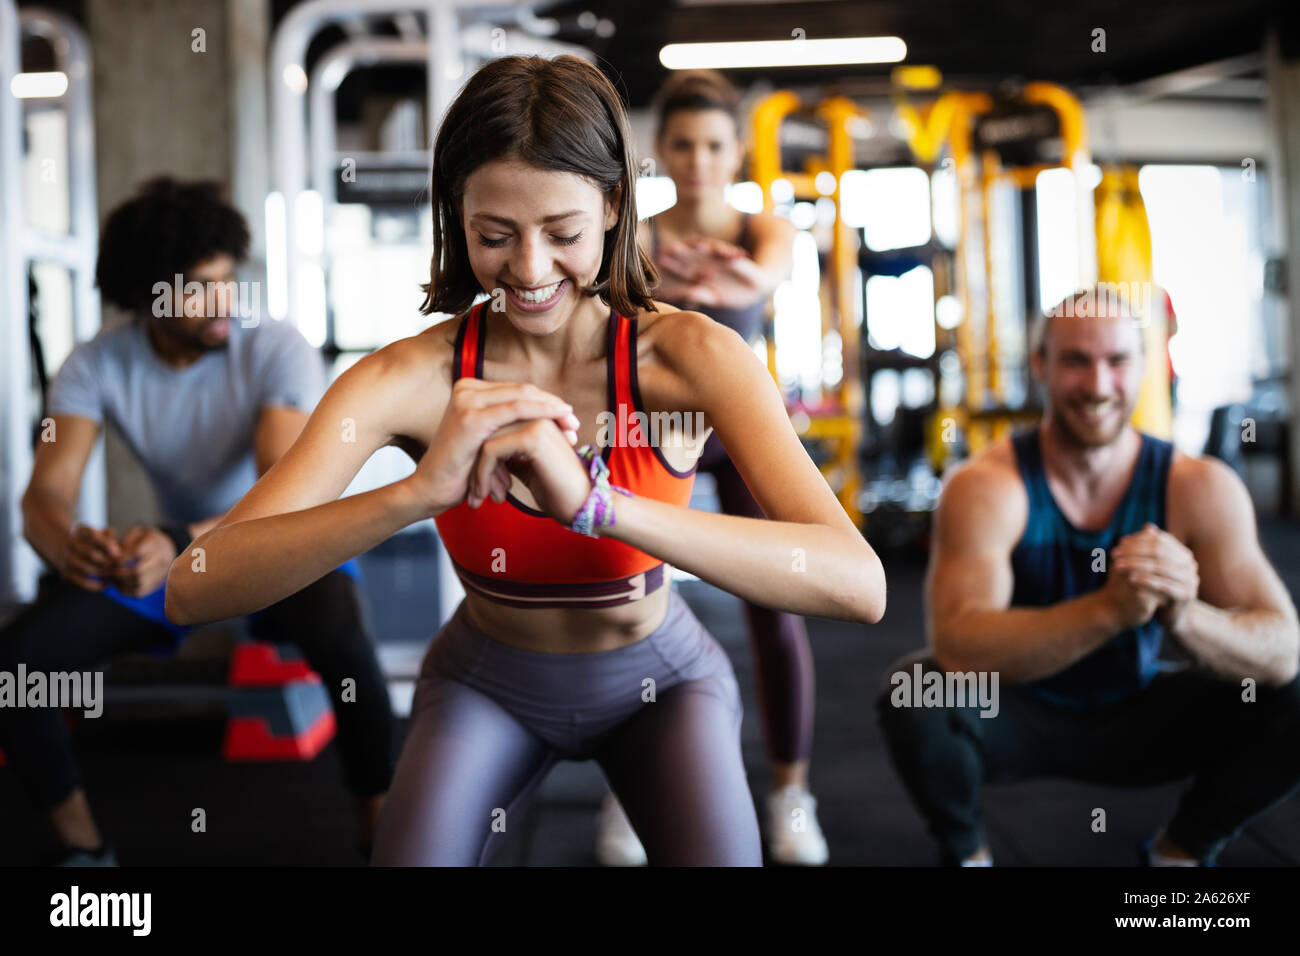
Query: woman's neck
{"points": [[580, 338], [709, 215]]}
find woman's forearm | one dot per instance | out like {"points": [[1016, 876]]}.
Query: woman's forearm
{"points": [[801, 568], [243, 567]]}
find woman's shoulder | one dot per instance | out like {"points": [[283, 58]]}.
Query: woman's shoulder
{"points": [[417, 361], [684, 341], [764, 224], [406, 385], [671, 327]]}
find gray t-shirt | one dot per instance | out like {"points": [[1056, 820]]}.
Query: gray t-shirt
{"points": [[191, 428]]}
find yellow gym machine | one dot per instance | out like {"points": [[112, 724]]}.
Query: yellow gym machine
{"points": [[834, 423], [1119, 234], [984, 414], [966, 123], [1124, 258]]}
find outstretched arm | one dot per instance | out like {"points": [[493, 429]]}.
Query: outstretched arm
{"points": [[148, 551], [291, 528], [717, 273], [771, 260], [808, 558]]}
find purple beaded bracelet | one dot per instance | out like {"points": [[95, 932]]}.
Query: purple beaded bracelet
{"points": [[598, 510]]}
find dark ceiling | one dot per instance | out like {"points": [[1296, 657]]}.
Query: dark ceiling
{"points": [[973, 41], [978, 40]]}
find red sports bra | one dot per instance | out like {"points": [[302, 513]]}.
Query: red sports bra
{"points": [[519, 556]]}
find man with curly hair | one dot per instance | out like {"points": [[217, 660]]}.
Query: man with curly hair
{"points": [[207, 400]]}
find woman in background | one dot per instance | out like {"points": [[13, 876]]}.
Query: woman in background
{"points": [[721, 262]]}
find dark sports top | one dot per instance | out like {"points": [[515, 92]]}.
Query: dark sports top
{"points": [[1053, 562], [747, 321]]}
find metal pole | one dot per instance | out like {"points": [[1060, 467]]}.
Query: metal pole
{"points": [[288, 81], [329, 73], [72, 54], [18, 563], [342, 60], [1283, 72]]}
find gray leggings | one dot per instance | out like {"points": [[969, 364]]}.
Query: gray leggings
{"points": [[490, 720]]}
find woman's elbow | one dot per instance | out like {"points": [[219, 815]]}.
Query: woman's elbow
{"points": [[1285, 663], [173, 611], [876, 595], [1286, 674], [864, 600], [176, 600], [872, 610], [1284, 670]]}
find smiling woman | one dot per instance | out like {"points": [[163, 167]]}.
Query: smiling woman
{"points": [[578, 128], [571, 643], [538, 261]]}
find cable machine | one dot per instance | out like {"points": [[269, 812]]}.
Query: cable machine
{"points": [[831, 424], [28, 249], [998, 146]]}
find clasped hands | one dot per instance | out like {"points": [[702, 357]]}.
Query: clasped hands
{"points": [[136, 563], [1153, 574], [709, 272], [493, 431]]}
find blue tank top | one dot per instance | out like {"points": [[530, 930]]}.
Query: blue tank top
{"points": [[747, 321], [1053, 562]]}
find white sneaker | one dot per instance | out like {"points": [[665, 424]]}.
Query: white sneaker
{"points": [[616, 842], [794, 836]]}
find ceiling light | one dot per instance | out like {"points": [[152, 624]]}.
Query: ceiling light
{"points": [[30, 86], [782, 53]]}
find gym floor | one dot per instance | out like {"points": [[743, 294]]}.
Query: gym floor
{"points": [[144, 786]]}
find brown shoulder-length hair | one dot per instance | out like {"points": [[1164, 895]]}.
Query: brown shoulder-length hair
{"points": [[560, 114], [690, 91]]}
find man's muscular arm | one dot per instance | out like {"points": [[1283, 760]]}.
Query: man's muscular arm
{"points": [[1240, 621], [982, 514]]}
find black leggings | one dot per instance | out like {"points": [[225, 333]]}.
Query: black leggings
{"points": [[69, 628], [1241, 756], [489, 721], [783, 661]]}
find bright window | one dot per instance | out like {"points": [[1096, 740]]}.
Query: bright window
{"points": [[900, 312], [797, 319], [891, 205], [1205, 251], [1058, 236]]}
